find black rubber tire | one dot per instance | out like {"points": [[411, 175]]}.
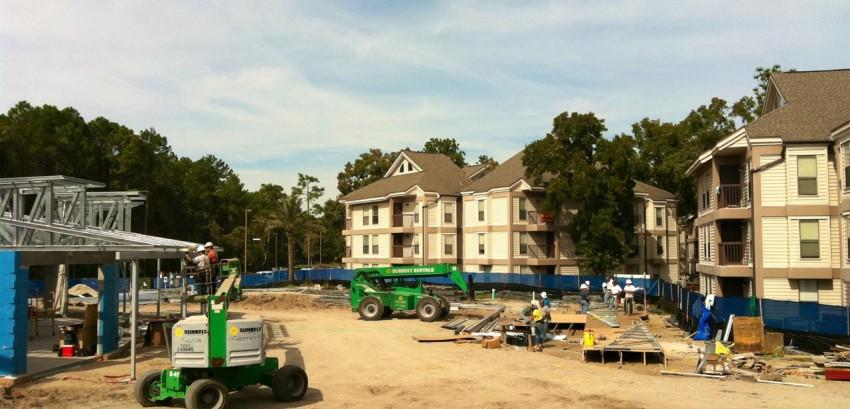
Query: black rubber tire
{"points": [[371, 309], [207, 394], [289, 384], [428, 309], [388, 312], [445, 308], [142, 390]]}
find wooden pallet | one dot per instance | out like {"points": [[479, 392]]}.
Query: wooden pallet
{"points": [[637, 340]]}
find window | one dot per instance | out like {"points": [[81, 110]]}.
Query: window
{"points": [[374, 214], [523, 208], [808, 290], [448, 244], [409, 167], [416, 244], [365, 217], [481, 241], [365, 244], [523, 244], [659, 245], [485, 268], [448, 212], [845, 151], [809, 239], [416, 213], [807, 177], [481, 206], [659, 217], [374, 244]]}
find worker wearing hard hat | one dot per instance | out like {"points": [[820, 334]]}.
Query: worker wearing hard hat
{"points": [[615, 294], [202, 266], [546, 308], [213, 256], [629, 298], [584, 291], [538, 322]]}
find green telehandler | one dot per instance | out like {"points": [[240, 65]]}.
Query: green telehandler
{"points": [[212, 355], [377, 292]]}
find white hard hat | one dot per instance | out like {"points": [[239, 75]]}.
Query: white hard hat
{"points": [[587, 282], [543, 294], [200, 248], [209, 244], [628, 281]]}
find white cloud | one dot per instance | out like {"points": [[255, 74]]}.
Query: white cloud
{"points": [[263, 82]]}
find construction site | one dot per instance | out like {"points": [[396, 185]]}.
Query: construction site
{"points": [[406, 336]]}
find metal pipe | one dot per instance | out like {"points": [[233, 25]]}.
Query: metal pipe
{"points": [[158, 285], [134, 318]]}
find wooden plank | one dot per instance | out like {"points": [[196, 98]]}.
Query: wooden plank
{"points": [[773, 341], [561, 318], [748, 333], [691, 374]]}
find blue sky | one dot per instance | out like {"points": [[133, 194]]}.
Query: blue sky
{"points": [[276, 88]]}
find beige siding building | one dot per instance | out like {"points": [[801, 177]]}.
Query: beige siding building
{"points": [[504, 229], [427, 210], [411, 216], [774, 197]]}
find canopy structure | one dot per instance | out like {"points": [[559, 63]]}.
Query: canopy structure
{"points": [[57, 220]]}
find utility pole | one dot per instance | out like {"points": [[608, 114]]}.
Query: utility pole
{"points": [[245, 253]]}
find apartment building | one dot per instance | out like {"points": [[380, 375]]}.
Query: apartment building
{"points": [[504, 229], [774, 196], [410, 216]]}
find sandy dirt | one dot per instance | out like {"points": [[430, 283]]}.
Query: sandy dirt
{"points": [[357, 364]]}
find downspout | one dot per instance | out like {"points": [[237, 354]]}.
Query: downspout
{"points": [[751, 192]]}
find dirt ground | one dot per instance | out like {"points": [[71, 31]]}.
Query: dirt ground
{"points": [[357, 364]]}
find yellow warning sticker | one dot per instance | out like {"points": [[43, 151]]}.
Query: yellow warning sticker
{"points": [[234, 331], [178, 332]]}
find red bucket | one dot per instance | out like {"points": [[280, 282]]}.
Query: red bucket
{"points": [[66, 351]]}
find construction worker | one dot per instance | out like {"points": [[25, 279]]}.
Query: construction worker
{"points": [[538, 322], [615, 294], [629, 299], [214, 267], [546, 307], [606, 293], [202, 266], [584, 290]]}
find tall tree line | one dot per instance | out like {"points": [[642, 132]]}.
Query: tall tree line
{"points": [[195, 200]]}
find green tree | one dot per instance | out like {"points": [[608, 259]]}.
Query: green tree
{"points": [[487, 161], [750, 107], [288, 218], [448, 147], [594, 176], [367, 168]]}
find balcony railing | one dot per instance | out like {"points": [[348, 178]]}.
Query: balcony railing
{"points": [[536, 251], [731, 253], [730, 196], [535, 217], [403, 220], [404, 251]]}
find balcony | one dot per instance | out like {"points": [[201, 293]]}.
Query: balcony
{"points": [[403, 220], [730, 195], [535, 217], [536, 251], [402, 251], [732, 253]]}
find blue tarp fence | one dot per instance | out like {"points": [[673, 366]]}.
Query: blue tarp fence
{"points": [[779, 315]]}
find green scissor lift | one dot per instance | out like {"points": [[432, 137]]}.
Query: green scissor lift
{"points": [[212, 356], [378, 291]]}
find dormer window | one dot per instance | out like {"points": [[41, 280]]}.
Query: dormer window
{"points": [[409, 167]]}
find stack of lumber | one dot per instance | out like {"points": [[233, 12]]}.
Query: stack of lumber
{"points": [[488, 323]]}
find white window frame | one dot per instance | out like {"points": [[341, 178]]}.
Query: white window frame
{"points": [[810, 296], [816, 222], [482, 210], [657, 224], [449, 243], [375, 248], [482, 244], [366, 244], [448, 212], [375, 210]]}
